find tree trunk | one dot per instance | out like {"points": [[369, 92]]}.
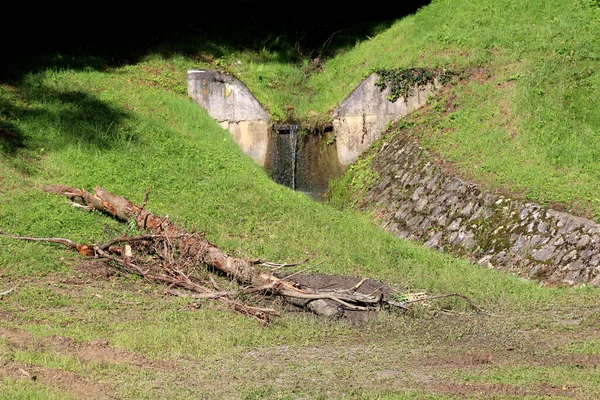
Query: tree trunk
{"points": [[197, 248]]}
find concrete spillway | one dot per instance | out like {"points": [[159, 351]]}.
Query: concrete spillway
{"points": [[412, 198], [306, 161]]}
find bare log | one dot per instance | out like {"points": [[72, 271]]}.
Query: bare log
{"points": [[196, 247], [191, 245]]}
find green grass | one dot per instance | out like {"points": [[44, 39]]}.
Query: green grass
{"points": [[119, 131], [527, 121], [585, 347], [196, 175], [532, 96], [28, 390], [524, 119], [534, 101]]}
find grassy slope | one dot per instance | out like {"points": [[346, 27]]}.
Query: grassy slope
{"points": [[134, 127], [143, 137], [525, 122]]}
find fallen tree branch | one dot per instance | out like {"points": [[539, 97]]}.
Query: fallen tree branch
{"points": [[403, 304], [208, 295], [200, 292], [277, 266], [302, 271], [359, 284], [82, 249], [145, 201], [192, 246], [441, 296]]}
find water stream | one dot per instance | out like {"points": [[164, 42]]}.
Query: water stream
{"points": [[304, 162], [285, 159]]}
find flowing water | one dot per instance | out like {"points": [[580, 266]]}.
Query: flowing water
{"points": [[284, 162], [304, 162]]}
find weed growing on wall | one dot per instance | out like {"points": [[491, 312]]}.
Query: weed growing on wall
{"points": [[403, 81]]}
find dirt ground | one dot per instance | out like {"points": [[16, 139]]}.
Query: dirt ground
{"points": [[417, 371], [434, 353]]}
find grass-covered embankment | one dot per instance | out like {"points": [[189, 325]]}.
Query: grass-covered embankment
{"points": [[524, 119], [133, 127]]}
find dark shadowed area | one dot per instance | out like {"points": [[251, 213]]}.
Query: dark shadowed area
{"points": [[65, 36]]}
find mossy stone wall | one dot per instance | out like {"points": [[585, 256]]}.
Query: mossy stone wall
{"points": [[416, 198]]}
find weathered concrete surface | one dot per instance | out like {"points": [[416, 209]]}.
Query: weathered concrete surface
{"points": [[234, 107], [362, 117], [357, 122], [415, 198], [252, 137]]}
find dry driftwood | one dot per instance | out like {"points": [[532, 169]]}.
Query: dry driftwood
{"points": [[195, 247]]}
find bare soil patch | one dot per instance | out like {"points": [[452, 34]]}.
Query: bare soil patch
{"points": [[97, 350], [62, 381], [428, 353], [426, 356]]}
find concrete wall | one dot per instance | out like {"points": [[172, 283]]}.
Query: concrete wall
{"points": [[235, 108], [417, 199], [357, 122], [365, 113]]}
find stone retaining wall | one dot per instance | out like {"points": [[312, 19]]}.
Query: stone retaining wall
{"points": [[415, 198]]}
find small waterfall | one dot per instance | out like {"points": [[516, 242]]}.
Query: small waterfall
{"points": [[286, 153], [293, 154], [303, 161]]}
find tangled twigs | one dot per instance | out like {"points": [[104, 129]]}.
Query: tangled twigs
{"points": [[171, 274], [177, 278], [112, 242], [166, 269], [197, 248]]}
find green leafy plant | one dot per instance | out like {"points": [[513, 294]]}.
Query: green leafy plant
{"points": [[403, 81]]}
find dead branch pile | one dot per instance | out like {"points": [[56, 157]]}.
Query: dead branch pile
{"points": [[169, 255]]}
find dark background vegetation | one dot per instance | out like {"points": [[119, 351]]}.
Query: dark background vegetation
{"points": [[101, 35]]}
